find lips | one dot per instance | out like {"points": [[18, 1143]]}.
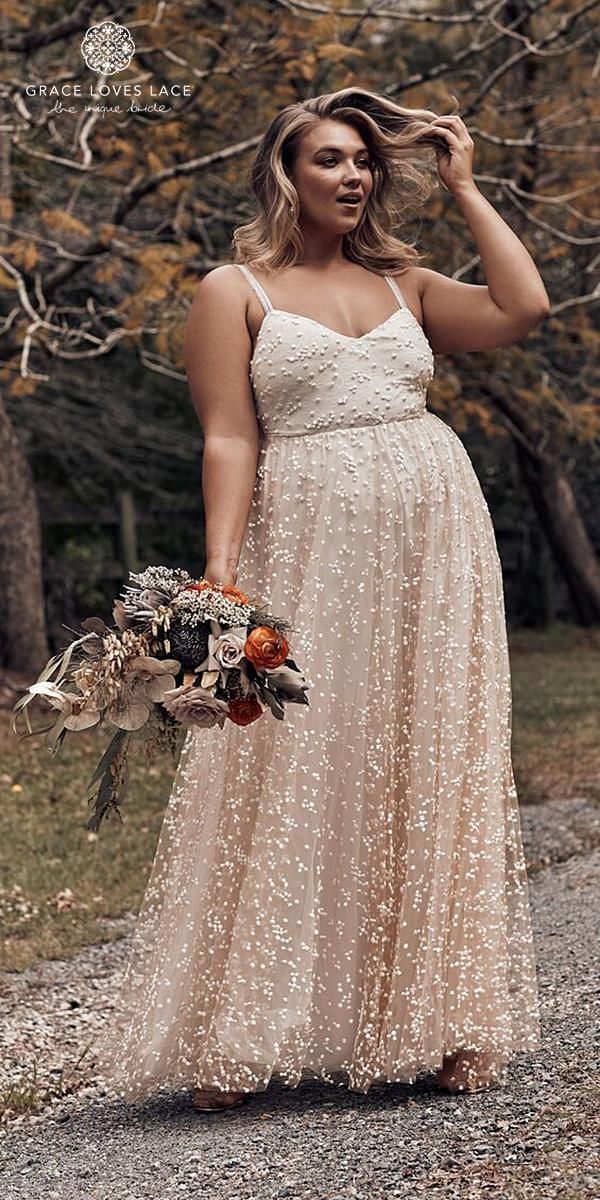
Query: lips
{"points": [[353, 202]]}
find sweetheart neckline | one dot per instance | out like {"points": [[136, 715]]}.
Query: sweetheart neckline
{"points": [[334, 332]]}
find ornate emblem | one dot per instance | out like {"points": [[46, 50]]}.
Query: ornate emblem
{"points": [[108, 48]]}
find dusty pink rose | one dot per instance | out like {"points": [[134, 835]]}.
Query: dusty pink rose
{"points": [[192, 705]]}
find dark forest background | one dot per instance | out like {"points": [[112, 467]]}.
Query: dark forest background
{"points": [[109, 219]]}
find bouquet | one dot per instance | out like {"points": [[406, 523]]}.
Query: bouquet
{"points": [[181, 653]]}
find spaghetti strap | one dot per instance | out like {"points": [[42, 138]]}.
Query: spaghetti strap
{"points": [[260, 291], [396, 291]]}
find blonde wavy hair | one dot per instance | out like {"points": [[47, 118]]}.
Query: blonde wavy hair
{"points": [[401, 183]]}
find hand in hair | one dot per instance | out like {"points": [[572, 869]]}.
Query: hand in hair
{"points": [[455, 163]]}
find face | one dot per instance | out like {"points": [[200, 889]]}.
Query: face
{"points": [[332, 159]]}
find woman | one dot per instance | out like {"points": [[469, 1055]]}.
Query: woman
{"points": [[342, 895]]}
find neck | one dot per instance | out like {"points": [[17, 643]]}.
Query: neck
{"points": [[321, 250]]}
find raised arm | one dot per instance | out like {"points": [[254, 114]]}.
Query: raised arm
{"points": [[217, 352], [461, 317]]}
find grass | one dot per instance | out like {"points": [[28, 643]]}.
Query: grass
{"points": [[556, 712], [60, 885]]}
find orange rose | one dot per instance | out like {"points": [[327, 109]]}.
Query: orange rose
{"points": [[244, 712], [234, 594], [265, 648], [228, 590]]}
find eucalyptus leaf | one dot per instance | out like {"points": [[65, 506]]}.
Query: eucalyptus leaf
{"points": [[113, 786], [59, 741], [108, 756], [103, 801], [56, 730]]}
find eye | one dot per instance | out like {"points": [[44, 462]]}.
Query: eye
{"points": [[364, 162]]}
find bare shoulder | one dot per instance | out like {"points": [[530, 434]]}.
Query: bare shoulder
{"points": [[221, 294], [226, 281], [412, 283], [219, 304], [412, 279], [426, 277]]}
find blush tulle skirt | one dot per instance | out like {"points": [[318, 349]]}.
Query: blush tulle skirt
{"points": [[343, 894]]}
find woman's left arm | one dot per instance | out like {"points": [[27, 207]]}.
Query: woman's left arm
{"points": [[461, 316]]}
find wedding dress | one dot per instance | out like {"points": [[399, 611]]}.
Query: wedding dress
{"points": [[342, 894]]}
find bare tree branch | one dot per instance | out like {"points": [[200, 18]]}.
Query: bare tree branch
{"points": [[574, 301], [415, 16], [33, 39], [559, 30], [562, 199]]}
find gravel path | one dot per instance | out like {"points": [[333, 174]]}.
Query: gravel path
{"points": [[536, 1138]]}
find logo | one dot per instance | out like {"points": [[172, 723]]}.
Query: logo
{"points": [[107, 48]]}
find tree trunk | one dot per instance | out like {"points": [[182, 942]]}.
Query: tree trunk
{"points": [[23, 640], [542, 472], [555, 504]]}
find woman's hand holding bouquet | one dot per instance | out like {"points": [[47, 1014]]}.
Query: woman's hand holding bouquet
{"points": [[216, 573]]}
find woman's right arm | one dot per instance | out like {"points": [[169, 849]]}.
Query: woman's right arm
{"points": [[217, 353]]}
